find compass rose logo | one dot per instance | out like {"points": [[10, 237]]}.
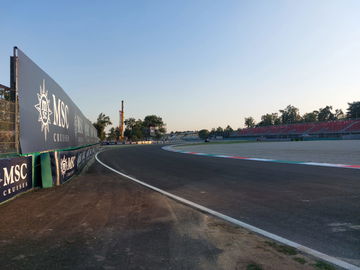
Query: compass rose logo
{"points": [[43, 107], [63, 166]]}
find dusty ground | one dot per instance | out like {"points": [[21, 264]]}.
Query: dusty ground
{"points": [[101, 221], [342, 152]]}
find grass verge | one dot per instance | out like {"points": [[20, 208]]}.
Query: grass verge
{"points": [[300, 260], [282, 248], [253, 266], [323, 266]]}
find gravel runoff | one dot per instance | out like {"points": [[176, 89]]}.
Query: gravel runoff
{"points": [[338, 152]]}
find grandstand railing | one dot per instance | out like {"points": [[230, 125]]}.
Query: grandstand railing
{"points": [[338, 127]]}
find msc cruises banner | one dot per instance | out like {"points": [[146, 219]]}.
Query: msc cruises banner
{"points": [[65, 164], [15, 176], [48, 118]]}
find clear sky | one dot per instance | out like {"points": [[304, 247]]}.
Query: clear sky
{"points": [[197, 63]]}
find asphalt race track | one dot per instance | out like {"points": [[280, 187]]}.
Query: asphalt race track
{"points": [[317, 207]]}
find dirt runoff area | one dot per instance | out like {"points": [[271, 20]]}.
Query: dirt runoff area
{"points": [[100, 220]]}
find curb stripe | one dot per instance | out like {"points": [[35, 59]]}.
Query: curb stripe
{"points": [[249, 227], [321, 164]]}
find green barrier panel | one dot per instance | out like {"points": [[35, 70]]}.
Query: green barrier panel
{"points": [[37, 170], [46, 175], [42, 173]]}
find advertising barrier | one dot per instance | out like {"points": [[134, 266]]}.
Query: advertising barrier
{"points": [[65, 164], [15, 177], [49, 119], [46, 120]]}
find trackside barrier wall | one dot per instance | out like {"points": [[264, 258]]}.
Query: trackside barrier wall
{"points": [[48, 121], [16, 176], [43, 170], [59, 166]]}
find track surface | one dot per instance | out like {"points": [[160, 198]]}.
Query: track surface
{"points": [[100, 220], [317, 207]]}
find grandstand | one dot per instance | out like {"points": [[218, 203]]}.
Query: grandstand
{"points": [[183, 136], [336, 129]]}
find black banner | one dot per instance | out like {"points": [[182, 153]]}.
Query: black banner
{"points": [[65, 164], [49, 119], [85, 154], [15, 176], [68, 161]]}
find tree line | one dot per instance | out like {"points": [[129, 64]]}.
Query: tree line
{"points": [[214, 132], [151, 127], [289, 115]]}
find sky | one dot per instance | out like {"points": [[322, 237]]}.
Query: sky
{"points": [[196, 63]]}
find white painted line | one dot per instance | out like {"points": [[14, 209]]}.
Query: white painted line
{"points": [[222, 156], [261, 159], [201, 154], [272, 236], [325, 164]]}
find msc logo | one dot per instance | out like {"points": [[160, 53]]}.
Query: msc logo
{"points": [[14, 174], [43, 108], [60, 111], [67, 164]]}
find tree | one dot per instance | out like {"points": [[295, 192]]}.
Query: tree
{"points": [[212, 132], [269, 119], [134, 129], [140, 129], [353, 111], [227, 131], [249, 122], [117, 133], [290, 115], [325, 114], [277, 119], [339, 114], [127, 133], [157, 123], [311, 117], [102, 122], [219, 131], [137, 132], [112, 134], [204, 134], [130, 122]]}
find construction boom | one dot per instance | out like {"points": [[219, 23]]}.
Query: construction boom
{"points": [[121, 125]]}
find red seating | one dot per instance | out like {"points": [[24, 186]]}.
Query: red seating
{"points": [[354, 127], [304, 128]]}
